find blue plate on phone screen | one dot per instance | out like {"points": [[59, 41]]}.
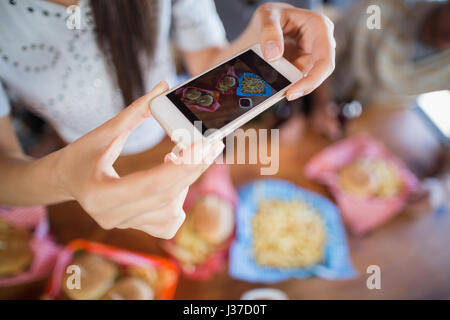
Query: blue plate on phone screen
{"points": [[267, 89]]}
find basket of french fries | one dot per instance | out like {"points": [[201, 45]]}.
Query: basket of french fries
{"points": [[251, 84]]}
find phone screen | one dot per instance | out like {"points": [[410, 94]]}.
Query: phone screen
{"points": [[228, 91]]}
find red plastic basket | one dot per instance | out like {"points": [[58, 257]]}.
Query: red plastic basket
{"points": [[120, 256]]}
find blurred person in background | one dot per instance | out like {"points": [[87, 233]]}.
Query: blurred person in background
{"points": [[408, 56], [80, 79], [236, 14]]}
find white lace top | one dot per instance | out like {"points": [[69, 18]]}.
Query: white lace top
{"points": [[61, 74]]}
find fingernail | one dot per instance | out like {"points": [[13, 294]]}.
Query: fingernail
{"points": [[171, 157], [272, 50], [161, 84], [295, 95], [160, 88], [216, 149]]}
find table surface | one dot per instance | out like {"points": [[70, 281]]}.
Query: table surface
{"points": [[411, 250]]}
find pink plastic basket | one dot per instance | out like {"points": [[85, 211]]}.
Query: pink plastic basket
{"points": [[45, 250], [360, 213], [215, 105], [215, 181]]}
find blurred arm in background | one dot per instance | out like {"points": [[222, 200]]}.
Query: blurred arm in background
{"points": [[407, 56]]}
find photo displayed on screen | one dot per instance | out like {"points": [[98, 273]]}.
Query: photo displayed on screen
{"points": [[228, 91]]}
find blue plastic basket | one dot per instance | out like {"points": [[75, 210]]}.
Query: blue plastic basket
{"points": [[336, 263], [267, 88]]}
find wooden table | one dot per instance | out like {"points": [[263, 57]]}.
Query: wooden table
{"points": [[411, 250]]}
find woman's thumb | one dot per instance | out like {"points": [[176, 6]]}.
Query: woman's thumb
{"points": [[271, 37]]}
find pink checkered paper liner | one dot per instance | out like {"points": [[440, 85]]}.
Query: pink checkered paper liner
{"points": [[360, 213], [45, 250]]}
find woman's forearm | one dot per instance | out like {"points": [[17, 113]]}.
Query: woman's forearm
{"points": [[244, 41], [26, 182]]}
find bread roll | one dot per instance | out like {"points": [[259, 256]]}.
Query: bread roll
{"points": [[130, 288], [193, 94], [205, 100], [357, 178], [227, 82], [97, 277], [370, 177], [213, 218], [15, 251]]}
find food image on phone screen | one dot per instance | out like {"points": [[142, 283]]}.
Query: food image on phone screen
{"points": [[228, 91]]}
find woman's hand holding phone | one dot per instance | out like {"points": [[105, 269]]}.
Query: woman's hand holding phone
{"points": [[299, 50], [304, 37], [150, 200]]}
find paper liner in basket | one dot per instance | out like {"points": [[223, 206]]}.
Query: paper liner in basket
{"points": [[216, 181], [45, 250], [361, 213], [230, 73]]}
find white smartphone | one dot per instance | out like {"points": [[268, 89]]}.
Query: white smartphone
{"points": [[223, 98]]}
